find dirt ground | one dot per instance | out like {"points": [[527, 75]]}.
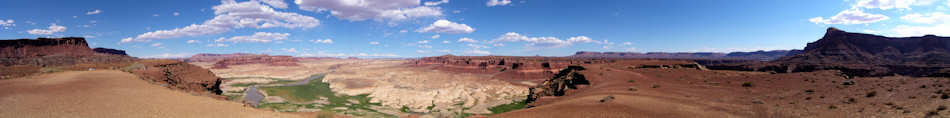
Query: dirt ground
{"points": [[110, 94], [689, 92]]}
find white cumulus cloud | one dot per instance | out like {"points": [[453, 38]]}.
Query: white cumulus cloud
{"points": [[542, 42], [327, 41], [7, 24], [850, 16], [935, 17], [359, 10], [94, 12], [374, 43], [491, 3], [888, 4], [466, 39], [581, 39], [434, 3], [234, 15], [477, 52], [436, 36], [936, 23], [53, 28], [280, 4], [258, 37], [446, 26]]}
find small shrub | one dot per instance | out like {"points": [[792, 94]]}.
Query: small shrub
{"points": [[810, 90], [832, 107], [747, 84], [655, 86], [633, 89], [631, 81], [941, 108], [405, 109], [944, 96], [871, 94]]}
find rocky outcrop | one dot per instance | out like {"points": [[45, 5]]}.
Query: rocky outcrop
{"points": [[756, 55], [109, 51], [567, 78], [859, 54], [256, 59], [506, 67], [179, 75]]}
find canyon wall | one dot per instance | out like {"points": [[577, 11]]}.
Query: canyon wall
{"points": [[256, 59]]}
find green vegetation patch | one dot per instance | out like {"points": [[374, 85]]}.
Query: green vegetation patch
{"points": [[508, 107], [358, 105]]}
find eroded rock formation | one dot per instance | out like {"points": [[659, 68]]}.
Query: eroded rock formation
{"points": [[567, 78], [179, 75]]}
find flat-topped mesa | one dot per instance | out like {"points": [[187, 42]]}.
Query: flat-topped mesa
{"points": [[109, 51], [55, 52], [508, 66], [256, 59], [26, 48]]}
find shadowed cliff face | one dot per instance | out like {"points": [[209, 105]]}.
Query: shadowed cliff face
{"points": [[859, 54]]}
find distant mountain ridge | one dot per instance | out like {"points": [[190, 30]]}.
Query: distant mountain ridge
{"points": [[760, 55], [860, 54]]}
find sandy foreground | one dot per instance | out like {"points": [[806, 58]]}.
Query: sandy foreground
{"points": [[109, 94]]}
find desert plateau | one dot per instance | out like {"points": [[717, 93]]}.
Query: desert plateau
{"points": [[475, 59]]}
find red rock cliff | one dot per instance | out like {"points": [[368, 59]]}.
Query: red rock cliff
{"points": [[26, 48]]}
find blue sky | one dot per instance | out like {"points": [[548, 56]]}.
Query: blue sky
{"points": [[413, 28]]}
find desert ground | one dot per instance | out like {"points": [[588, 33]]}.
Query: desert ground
{"points": [[110, 94], [625, 89]]}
